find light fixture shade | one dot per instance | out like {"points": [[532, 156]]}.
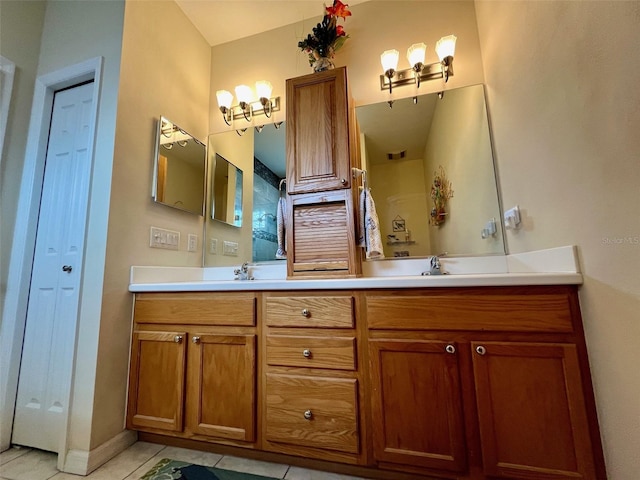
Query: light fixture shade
{"points": [[446, 47], [416, 53], [244, 93], [389, 60], [263, 89], [224, 98]]}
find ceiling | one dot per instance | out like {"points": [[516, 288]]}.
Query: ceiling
{"points": [[221, 21]]}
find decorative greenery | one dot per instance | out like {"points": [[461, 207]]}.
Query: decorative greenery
{"points": [[441, 192], [327, 36]]}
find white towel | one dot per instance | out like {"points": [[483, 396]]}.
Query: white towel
{"points": [[281, 252], [370, 238]]}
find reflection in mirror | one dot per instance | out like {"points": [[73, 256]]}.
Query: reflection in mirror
{"points": [[179, 172], [226, 205], [407, 148], [269, 170]]}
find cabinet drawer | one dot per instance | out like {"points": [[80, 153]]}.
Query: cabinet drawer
{"points": [[325, 311], [312, 411], [312, 352], [538, 312], [206, 308]]}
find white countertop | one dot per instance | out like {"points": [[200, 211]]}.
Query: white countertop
{"points": [[557, 266]]}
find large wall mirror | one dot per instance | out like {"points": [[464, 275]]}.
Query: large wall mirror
{"points": [[179, 173], [260, 154], [421, 149], [404, 149]]}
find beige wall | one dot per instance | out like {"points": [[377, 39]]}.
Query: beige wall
{"points": [[563, 91], [20, 43], [164, 71], [373, 28]]}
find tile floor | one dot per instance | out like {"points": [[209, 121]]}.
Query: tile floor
{"points": [[29, 464]]}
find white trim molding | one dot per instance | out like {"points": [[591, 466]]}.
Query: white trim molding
{"points": [[82, 462], [7, 72]]}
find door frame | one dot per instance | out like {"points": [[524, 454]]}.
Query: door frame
{"points": [[14, 314]]}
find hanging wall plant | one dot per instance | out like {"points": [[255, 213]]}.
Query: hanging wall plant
{"points": [[441, 192]]}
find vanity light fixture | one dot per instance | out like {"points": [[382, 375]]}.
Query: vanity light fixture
{"points": [[445, 48], [247, 106], [224, 103], [389, 60], [263, 89], [175, 135], [244, 94]]}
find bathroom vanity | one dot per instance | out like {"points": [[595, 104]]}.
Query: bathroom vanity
{"points": [[460, 376]]}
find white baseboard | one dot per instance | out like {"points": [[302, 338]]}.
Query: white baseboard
{"points": [[83, 462]]}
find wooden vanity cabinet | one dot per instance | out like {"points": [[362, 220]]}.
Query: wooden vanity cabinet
{"points": [[322, 148], [498, 373], [193, 366], [318, 146], [311, 384]]}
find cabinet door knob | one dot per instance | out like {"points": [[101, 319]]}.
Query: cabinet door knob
{"points": [[177, 338], [67, 268], [308, 414], [306, 312], [450, 349], [195, 339], [306, 353], [480, 350], [343, 181]]}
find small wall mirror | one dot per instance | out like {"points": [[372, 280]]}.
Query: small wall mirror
{"points": [[226, 201], [179, 173]]}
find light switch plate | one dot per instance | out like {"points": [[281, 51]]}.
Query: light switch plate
{"points": [[230, 248], [192, 243], [163, 238]]}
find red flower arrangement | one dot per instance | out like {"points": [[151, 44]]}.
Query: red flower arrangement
{"points": [[327, 37]]}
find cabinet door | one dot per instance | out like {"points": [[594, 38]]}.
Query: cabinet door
{"points": [[222, 386], [321, 238], [318, 132], [156, 381], [532, 416], [417, 404]]}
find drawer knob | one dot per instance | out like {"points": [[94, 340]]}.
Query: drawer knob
{"points": [[177, 338], [450, 349], [195, 340], [306, 313], [480, 350], [306, 353], [308, 414]]}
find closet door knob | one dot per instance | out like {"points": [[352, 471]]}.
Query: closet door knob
{"points": [[306, 313], [306, 353], [480, 350], [450, 349]]}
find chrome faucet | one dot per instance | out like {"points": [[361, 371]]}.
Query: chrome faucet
{"points": [[242, 273], [435, 268]]}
